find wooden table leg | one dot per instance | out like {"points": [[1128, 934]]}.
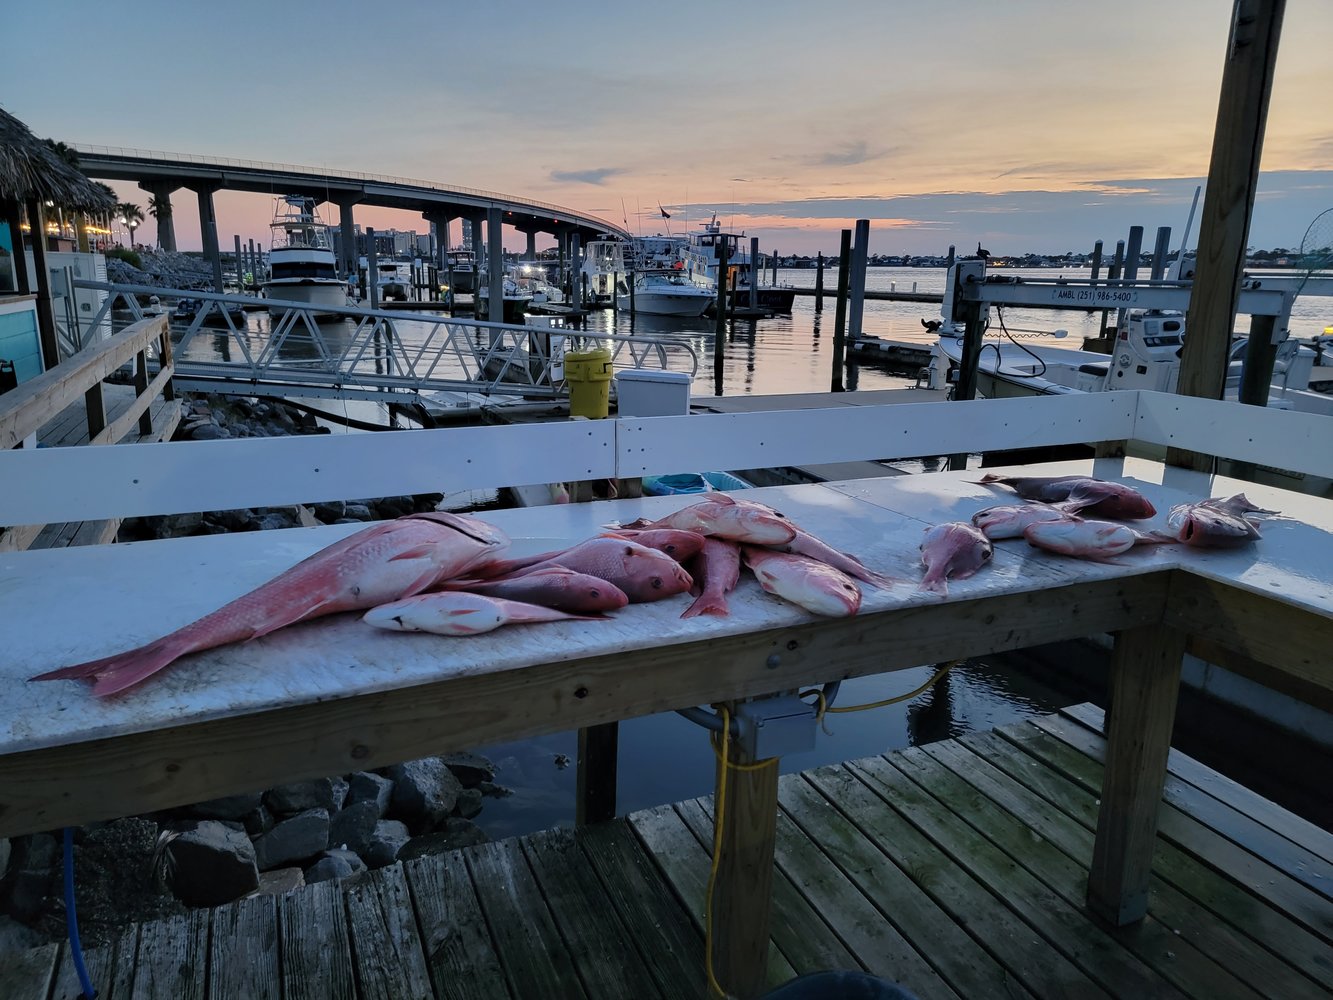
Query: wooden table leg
{"points": [[743, 894], [1145, 680], [596, 777]]}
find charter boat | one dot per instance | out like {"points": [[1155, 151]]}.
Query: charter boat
{"points": [[701, 257], [302, 267], [516, 299], [461, 270], [665, 293], [606, 262], [389, 281]]}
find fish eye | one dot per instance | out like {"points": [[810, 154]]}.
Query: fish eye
{"points": [[657, 583], [594, 593]]}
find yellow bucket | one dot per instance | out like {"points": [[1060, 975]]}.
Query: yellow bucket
{"points": [[589, 376]]}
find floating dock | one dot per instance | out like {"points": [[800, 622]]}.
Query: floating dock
{"points": [[956, 869]]}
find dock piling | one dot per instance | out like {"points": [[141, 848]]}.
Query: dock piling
{"points": [[819, 283], [372, 284], [1160, 250], [754, 272], [840, 315], [857, 286], [720, 327]]}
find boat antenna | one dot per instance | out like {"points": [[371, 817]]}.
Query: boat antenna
{"points": [[1175, 271]]}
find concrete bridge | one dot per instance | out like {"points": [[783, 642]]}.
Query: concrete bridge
{"points": [[162, 173]]}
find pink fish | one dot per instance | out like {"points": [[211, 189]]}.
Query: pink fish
{"points": [[723, 517], [806, 544], [997, 523], [381, 563], [679, 545], [813, 585], [953, 549], [644, 574], [456, 612], [1081, 495], [717, 567], [1215, 523], [551, 587], [1088, 539]]}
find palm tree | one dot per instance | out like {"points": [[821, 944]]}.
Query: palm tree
{"points": [[159, 207], [130, 215]]}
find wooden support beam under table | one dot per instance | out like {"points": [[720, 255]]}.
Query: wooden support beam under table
{"points": [[596, 779], [743, 890], [1145, 681]]}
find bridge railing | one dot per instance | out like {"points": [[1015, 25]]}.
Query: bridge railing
{"points": [[371, 353]]}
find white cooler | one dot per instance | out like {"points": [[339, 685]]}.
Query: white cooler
{"points": [[644, 393]]}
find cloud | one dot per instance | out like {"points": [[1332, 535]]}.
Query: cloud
{"points": [[597, 175], [849, 154]]}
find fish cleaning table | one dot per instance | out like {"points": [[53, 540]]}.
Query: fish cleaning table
{"points": [[335, 695]]}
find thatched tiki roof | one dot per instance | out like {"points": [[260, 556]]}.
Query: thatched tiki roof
{"points": [[30, 169]]}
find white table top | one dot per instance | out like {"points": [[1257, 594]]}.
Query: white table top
{"points": [[63, 606]]}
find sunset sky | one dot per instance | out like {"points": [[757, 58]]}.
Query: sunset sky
{"points": [[1028, 125]]}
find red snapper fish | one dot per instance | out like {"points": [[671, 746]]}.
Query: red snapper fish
{"points": [[381, 563], [1088, 539], [806, 544], [1080, 495], [998, 523], [813, 585], [723, 517], [717, 567], [1215, 523], [551, 587], [679, 545], [456, 612], [644, 574], [953, 549]]}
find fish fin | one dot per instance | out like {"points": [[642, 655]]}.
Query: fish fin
{"points": [[131, 657], [708, 605], [463, 611], [116, 673], [638, 524], [934, 585], [987, 479], [716, 497], [881, 580], [415, 552], [617, 534]]}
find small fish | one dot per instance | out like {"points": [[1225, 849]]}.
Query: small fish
{"points": [[806, 544], [679, 545], [381, 563], [1088, 539], [644, 574], [954, 549], [551, 587], [723, 517], [456, 612], [997, 523], [808, 583], [1215, 523], [717, 567], [1081, 495]]}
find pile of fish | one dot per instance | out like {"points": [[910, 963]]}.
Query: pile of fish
{"points": [[1057, 518], [445, 573]]}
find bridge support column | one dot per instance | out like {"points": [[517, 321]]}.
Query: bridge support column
{"points": [[495, 263], [474, 241], [160, 208], [347, 237], [532, 244], [208, 228], [575, 273], [441, 224]]}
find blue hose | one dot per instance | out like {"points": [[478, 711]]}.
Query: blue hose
{"points": [[72, 920]]}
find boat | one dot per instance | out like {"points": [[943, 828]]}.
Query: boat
{"points": [[302, 267], [516, 299], [1145, 355], [218, 313], [606, 262], [460, 266], [665, 293], [701, 256], [389, 283]]}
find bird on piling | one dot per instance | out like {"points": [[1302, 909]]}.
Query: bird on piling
{"points": [[981, 252]]}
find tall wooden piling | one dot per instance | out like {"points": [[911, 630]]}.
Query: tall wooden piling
{"points": [[372, 270], [840, 315], [754, 272], [857, 288], [819, 283], [1159, 253], [720, 328]]}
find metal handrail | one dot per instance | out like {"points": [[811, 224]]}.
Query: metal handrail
{"points": [[376, 359]]}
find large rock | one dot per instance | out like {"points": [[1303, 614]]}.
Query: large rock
{"points": [[424, 791], [354, 826], [330, 510], [367, 786], [235, 807], [286, 800], [32, 876], [280, 881], [469, 768], [469, 803], [211, 864], [179, 525], [457, 833], [387, 840], [303, 836]]}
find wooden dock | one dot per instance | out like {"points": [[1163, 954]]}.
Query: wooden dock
{"points": [[956, 869]]}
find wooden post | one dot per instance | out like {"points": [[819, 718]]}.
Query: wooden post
{"points": [[974, 330], [754, 272], [372, 282], [13, 215], [140, 387], [840, 314], [495, 264], [742, 896], [720, 327], [596, 779], [46, 317], [857, 281], [1233, 173], [1260, 352], [1160, 251], [819, 283], [1145, 680]]}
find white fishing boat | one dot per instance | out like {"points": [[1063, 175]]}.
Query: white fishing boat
{"points": [[516, 299], [606, 262], [460, 274], [665, 293], [702, 254], [302, 267], [389, 281]]}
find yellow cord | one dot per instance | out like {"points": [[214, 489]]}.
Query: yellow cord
{"points": [[825, 710]]}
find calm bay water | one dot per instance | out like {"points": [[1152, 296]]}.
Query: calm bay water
{"points": [[664, 758]]}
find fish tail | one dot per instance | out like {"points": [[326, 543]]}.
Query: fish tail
{"points": [[989, 477], [115, 673], [935, 583], [504, 567], [708, 604]]}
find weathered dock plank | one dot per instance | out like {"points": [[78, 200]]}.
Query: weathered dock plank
{"points": [[27, 975], [316, 957], [243, 950], [535, 958], [110, 969], [459, 953], [608, 959], [386, 950], [172, 959]]}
